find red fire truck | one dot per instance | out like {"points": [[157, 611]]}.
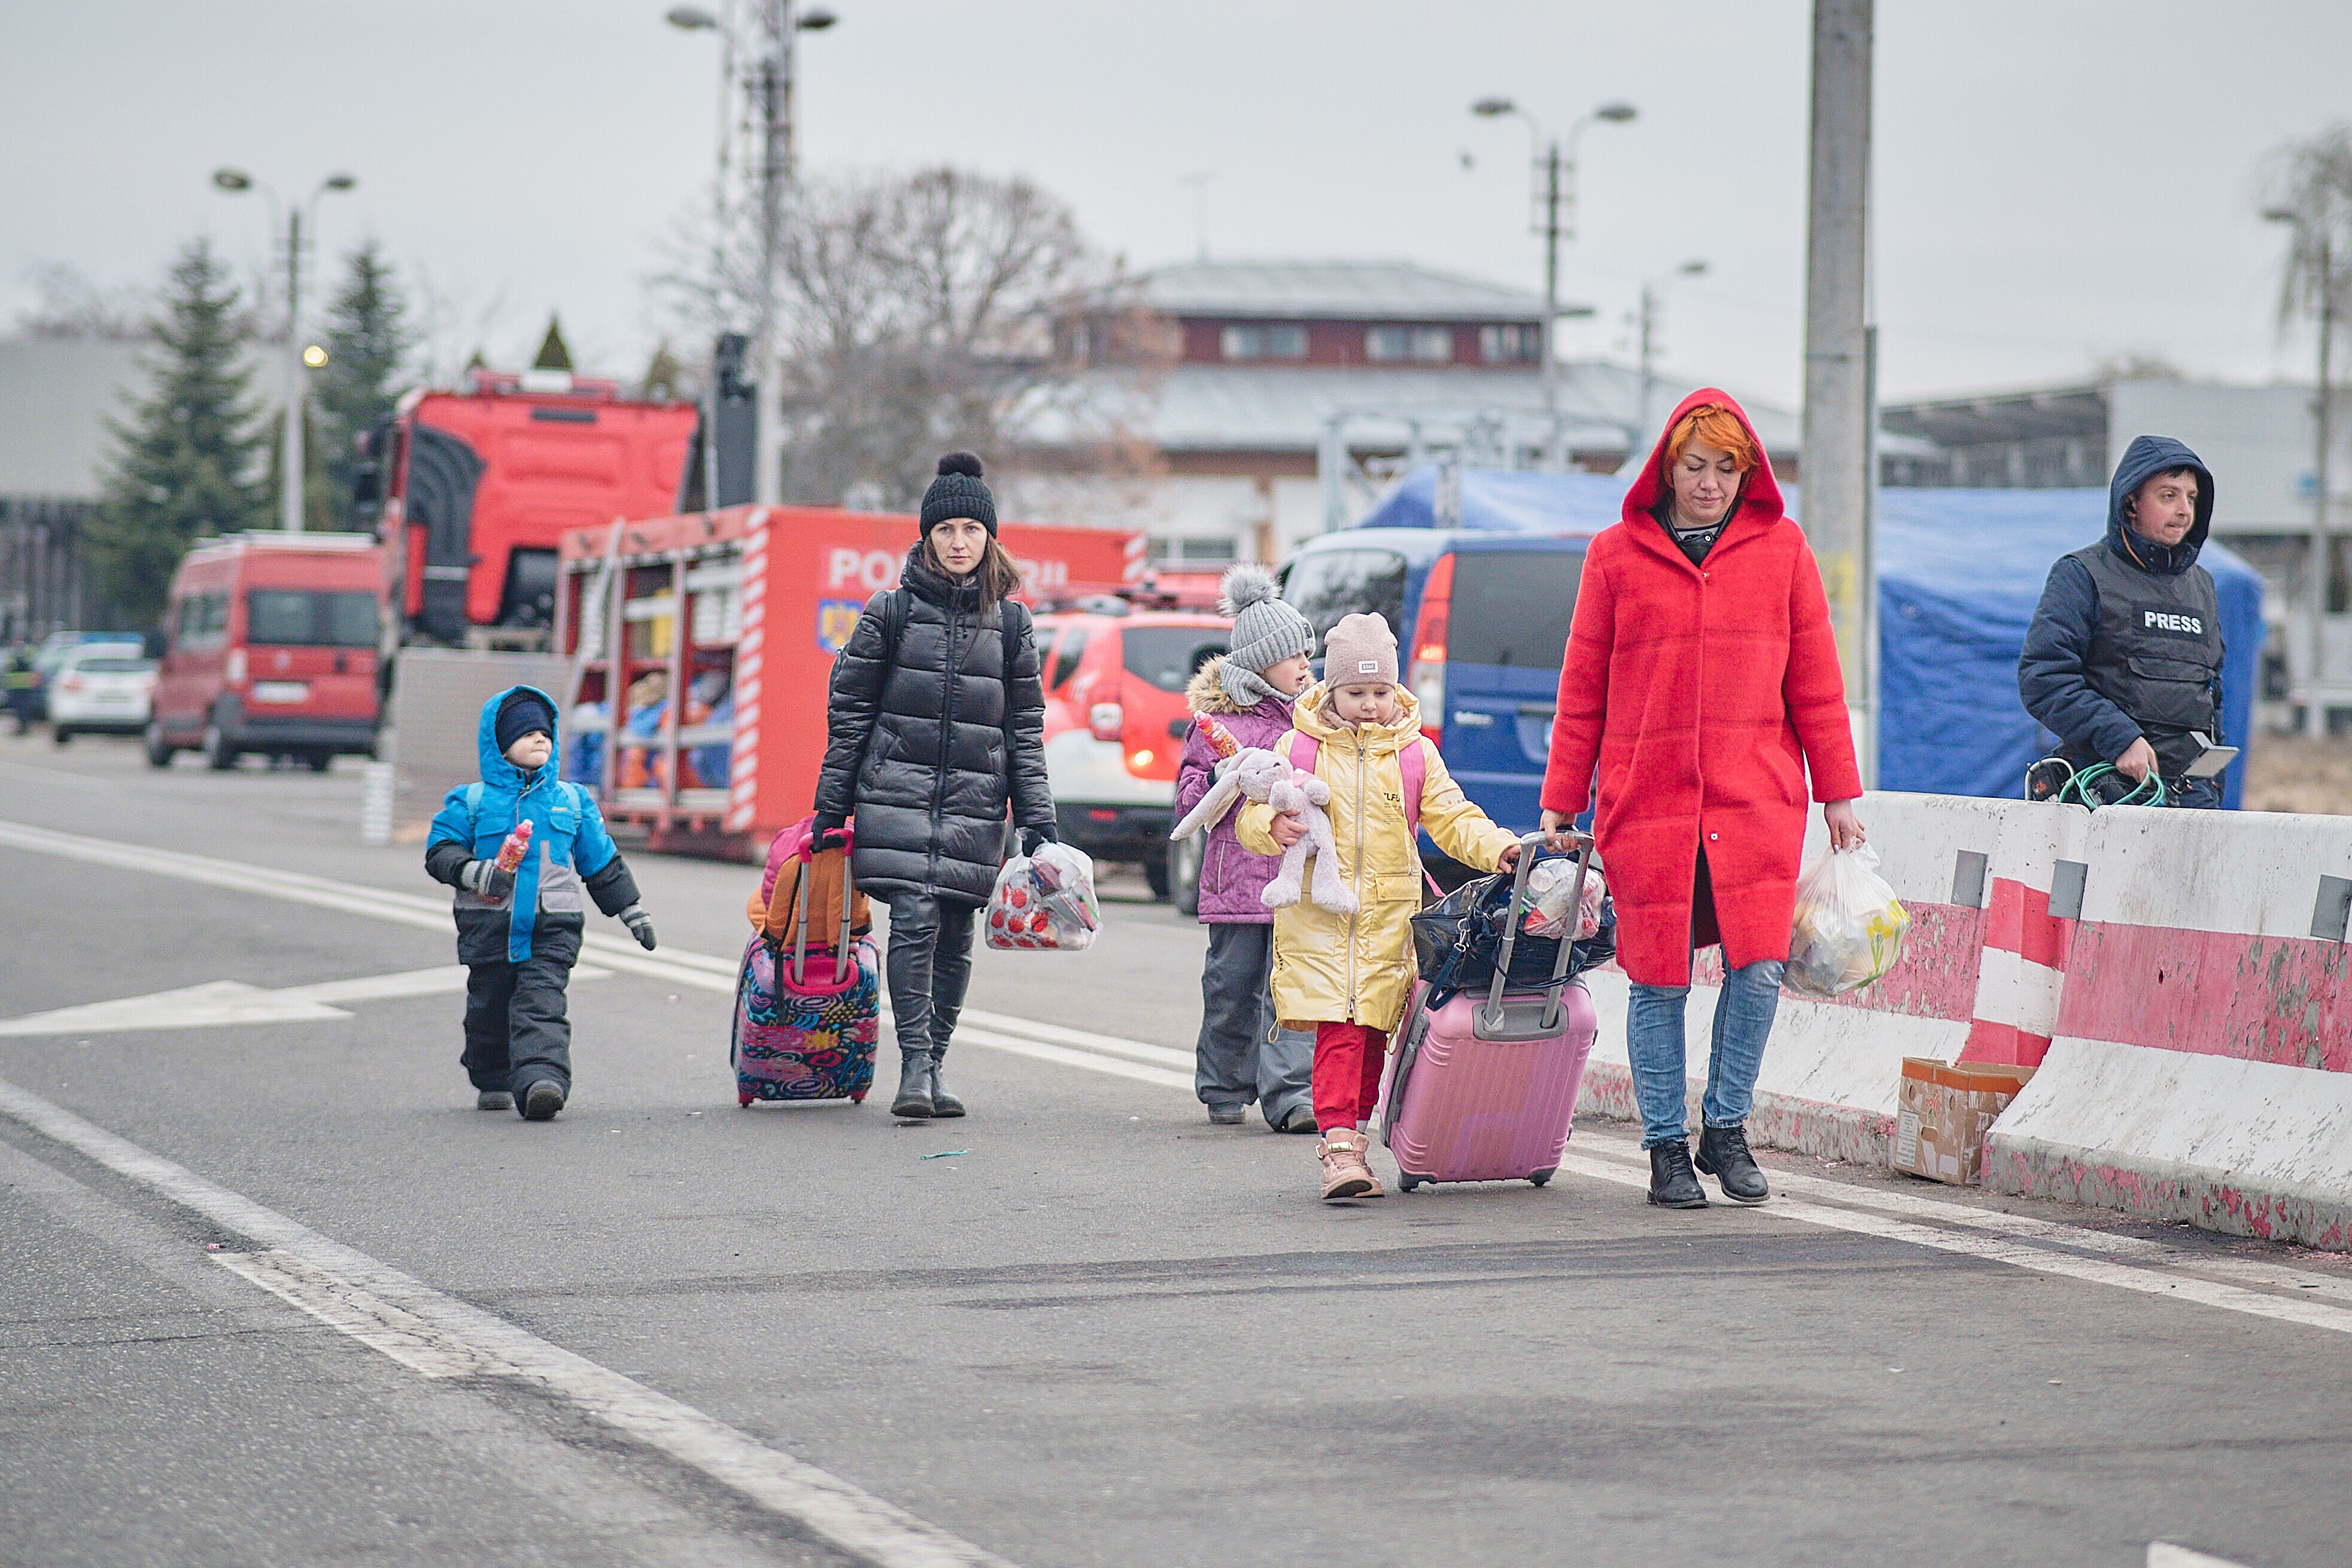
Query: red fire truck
{"points": [[479, 486], [741, 611]]}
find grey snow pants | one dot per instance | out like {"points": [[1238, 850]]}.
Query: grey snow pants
{"points": [[1242, 1054], [516, 1030]]}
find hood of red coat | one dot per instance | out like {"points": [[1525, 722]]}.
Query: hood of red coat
{"points": [[1759, 499]]}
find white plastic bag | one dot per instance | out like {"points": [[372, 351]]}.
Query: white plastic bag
{"points": [[1045, 901], [1849, 929], [1548, 887]]}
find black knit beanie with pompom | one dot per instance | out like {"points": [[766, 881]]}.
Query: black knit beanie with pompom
{"points": [[958, 492]]}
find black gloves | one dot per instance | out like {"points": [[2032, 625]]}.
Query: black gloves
{"points": [[484, 879], [829, 831], [1031, 838], [640, 924]]}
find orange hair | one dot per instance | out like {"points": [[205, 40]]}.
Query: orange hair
{"points": [[1717, 426]]}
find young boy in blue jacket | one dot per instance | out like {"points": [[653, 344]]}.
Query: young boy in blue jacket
{"points": [[518, 932]]}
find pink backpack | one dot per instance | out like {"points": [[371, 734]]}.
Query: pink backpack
{"points": [[1412, 762]]}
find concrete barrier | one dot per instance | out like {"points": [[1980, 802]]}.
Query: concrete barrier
{"points": [[2199, 1066], [2181, 980]]}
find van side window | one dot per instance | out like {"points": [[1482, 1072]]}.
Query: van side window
{"points": [[1329, 585], [203, 622], [1066, 654]]}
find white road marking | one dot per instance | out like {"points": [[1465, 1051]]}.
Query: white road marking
{"points": [[2262, 1273], [225, 1001], [2163, 1554], [2171, 1271], [444, 1337], [2172, 1286]]}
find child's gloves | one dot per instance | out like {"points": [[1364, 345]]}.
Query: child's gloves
{"points": [[1032, 839], [640, 924], [829, 832], [485, 879]]}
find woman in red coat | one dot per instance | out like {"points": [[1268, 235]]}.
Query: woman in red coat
{"points": [[1701, 682]]}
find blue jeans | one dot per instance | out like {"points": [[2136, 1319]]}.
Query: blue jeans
{"points": [[1653, 1043]]}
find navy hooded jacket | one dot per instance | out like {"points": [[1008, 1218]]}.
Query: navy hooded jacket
{"points": [[568, 843], [2050, 673]]}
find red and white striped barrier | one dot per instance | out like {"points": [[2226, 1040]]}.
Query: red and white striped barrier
{"points": [[2199, 1066], [2181, 979]]}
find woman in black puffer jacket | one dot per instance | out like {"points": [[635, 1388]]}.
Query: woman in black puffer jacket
{"points": [[936, 723]]}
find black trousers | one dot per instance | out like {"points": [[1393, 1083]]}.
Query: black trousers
{"points": [[929, 967], [516, 1030]]}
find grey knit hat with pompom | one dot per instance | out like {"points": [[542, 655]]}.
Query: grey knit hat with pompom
{"points": [[1266, 631]]}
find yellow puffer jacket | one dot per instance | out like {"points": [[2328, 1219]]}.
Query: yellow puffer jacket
{"points": [[1358, 968]]}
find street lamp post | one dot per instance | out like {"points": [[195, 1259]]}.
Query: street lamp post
{"points": [[297, 361], [1557, 169], [1653, 297], [2322, 569], [769, 83]]}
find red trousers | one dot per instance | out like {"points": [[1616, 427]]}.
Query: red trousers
{"points": [[1348, 1062]]}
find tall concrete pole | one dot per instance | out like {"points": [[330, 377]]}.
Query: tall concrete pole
{"points": [[1551, 289], [774, 85], [289, 464], [1834, 462], [2323, 551]]}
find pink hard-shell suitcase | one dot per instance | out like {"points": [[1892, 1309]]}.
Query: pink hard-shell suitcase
{"points": [[1483, 1087]]}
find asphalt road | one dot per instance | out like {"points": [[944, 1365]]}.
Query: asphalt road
{"points": [[271, 1292]]}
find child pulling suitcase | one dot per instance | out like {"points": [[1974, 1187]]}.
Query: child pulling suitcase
{"points": [[806, 1024], [1484, 1087]]}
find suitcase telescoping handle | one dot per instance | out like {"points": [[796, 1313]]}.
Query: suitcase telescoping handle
{"points": [[1491, 1015], [800, 935]]}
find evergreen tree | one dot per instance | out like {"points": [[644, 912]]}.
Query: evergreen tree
{"points": [[368, 337], [665, 380], [183, 466], [553, 353]]}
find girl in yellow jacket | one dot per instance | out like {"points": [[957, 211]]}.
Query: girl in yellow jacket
{"points": [[1349, 976]]}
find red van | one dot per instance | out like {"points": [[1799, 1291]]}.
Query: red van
{"points": [[270, 647]]}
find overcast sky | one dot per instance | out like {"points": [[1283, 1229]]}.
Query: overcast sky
{"points": [[2059, 181]]}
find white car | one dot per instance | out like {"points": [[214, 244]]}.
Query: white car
{"points": [[101, 688]]}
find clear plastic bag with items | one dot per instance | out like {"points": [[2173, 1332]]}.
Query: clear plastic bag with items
{"points": [[1849, 929], [1550, 886], [1045, 901]]}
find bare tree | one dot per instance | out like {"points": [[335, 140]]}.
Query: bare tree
{"points": [[71, 305], [2313, 191], [915, 314]]}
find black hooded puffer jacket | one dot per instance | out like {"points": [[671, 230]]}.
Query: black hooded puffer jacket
{"points": [[926, 762]]}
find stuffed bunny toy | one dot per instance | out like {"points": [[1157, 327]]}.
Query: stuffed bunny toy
{"points": [[1252, 773]]}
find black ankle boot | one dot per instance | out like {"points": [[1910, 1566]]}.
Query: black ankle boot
{"points": [[914, 1100], [1723, 1154], [1672, 1184], [942, 1102]]}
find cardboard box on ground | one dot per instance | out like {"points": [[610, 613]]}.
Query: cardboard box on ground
{"points": [[1942, 1111]]}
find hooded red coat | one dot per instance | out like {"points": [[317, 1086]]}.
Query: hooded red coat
{"points": [[1700, 693]]}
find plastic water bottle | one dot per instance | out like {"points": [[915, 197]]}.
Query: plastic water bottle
{"points": [[511, 853]]}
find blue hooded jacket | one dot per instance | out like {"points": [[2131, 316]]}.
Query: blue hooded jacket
{"points": [[568, 846], [2051, 676]]}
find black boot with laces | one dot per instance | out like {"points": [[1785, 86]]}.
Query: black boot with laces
{"points": [[1723, 1154], [1672, 1185]]}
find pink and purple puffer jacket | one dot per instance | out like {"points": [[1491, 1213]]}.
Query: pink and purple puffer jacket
{"points": [[1232, 878]]}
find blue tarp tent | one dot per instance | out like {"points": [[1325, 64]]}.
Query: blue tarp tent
{"points": [[1959, 574]]}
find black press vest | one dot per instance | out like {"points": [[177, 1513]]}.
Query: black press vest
{"points": [[2156, 652]]}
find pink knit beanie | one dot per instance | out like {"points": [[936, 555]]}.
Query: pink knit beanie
{"points": [[1361, 648]]}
